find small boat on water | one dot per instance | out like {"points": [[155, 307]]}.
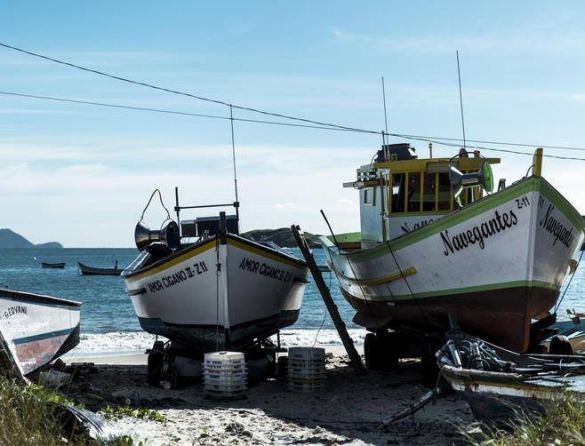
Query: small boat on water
{"points": [[59, 265], [36, 329], [206, 288], [436, 241], [498, 384], [87, 270]]}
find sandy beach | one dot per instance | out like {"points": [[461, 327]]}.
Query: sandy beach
{"points": [[350, 411]]}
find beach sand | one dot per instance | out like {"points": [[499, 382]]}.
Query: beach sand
{"points": [[350, 411]]}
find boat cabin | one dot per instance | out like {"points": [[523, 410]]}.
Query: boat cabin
{"points": [[400, 193]]}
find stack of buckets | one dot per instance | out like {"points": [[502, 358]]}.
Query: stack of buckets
{"points": [[306, 369], [224, 375]]}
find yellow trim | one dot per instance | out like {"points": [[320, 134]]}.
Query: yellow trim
{"points": [[537, 161], [205, 247], [385, 279], [261, 252], [421, 165]]}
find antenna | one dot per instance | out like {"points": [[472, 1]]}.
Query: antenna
{"points": [[461, 101], [236, 203], [384, 98]]}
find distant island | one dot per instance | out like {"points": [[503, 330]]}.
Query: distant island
{"points": [[281, 236], [11, 240]]}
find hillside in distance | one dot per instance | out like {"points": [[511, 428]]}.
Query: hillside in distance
{"points": [[282, 237], [11, 240]]}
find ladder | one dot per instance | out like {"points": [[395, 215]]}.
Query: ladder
{"points": [[356, 361]]}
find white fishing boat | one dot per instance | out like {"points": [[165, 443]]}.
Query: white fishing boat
{"points": [[436, 242], [220, 291], [36, 329]]}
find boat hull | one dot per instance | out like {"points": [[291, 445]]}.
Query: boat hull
{"points": [[495, 265], [37, 328], [192, 301], [86, 270], [53, 265]]}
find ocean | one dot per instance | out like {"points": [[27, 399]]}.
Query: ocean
{"points": [[108, 321]]}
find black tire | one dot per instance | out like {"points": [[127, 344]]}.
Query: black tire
{"points": [[387, 350], [370, 351], [428, 367], [154, 368]]}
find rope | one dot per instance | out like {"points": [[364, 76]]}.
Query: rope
{"points": [[161, 202], [569, 283]]}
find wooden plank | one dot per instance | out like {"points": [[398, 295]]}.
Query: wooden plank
{"points": [[356, 361]]}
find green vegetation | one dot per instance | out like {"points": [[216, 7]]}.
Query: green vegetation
{"points": [[563, 423], [27, 418], [142, 413]]}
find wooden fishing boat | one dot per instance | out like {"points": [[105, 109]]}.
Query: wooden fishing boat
{"points": [[87, 270], [36, 329], [222, 291], [59, 265], [435, 241], [499, 384]]}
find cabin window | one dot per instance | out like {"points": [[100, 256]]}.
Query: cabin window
{"points": [[398, 193], [370, 196], [413, 191], [429, 187], [444, 199]]}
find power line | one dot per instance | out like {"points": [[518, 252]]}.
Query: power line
{"points": [[172, 112], [182, 93], [433, 139], [313, 123]]}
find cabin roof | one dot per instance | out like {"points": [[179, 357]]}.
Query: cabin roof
{"points": [[433, 165]]}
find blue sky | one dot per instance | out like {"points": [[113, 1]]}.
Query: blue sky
{"points": [[81, 174]]}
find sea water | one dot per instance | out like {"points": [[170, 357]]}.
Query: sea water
{"points": [[108, 321]]}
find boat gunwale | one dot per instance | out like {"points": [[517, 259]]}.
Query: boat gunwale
{"points": [[524, 185], [35, 297], [127, 274]]}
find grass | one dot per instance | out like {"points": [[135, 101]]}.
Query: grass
{"points": [[562, 423], [26, 418]]}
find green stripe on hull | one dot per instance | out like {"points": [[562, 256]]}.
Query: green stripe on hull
{"points": [[479, 207], [459, 291], [42, 336]]}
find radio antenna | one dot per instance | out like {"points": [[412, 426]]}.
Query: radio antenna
{"points": [[237, 202], [384, 98], [461, 101]]}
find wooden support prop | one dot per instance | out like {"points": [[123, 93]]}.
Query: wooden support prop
{"points": [[354, 356]]}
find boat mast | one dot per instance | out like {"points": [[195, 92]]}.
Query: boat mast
{"points": [[236, 203], [385, 113], [461, 101]]}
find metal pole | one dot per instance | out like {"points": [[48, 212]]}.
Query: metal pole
{"points": [[384, 96], [237, 202], [461, 101], [178, 210]]}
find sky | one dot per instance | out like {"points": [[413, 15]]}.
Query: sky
{"points": [[82, 174]]}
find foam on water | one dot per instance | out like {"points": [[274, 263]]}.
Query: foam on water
{"points": [[139, 341]]}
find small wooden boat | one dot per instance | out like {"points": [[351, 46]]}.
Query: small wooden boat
{"points": [[87, 270], [53, 265], [35, 329], [498, 384]]}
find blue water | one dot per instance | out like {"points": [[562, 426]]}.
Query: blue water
{"points": [[106, 307]]}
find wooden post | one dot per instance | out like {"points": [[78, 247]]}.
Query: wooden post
{"points": [[356, 361]]}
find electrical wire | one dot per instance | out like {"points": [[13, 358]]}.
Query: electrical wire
{"points": [[319, 124], [177, 92], [434, 139]]}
